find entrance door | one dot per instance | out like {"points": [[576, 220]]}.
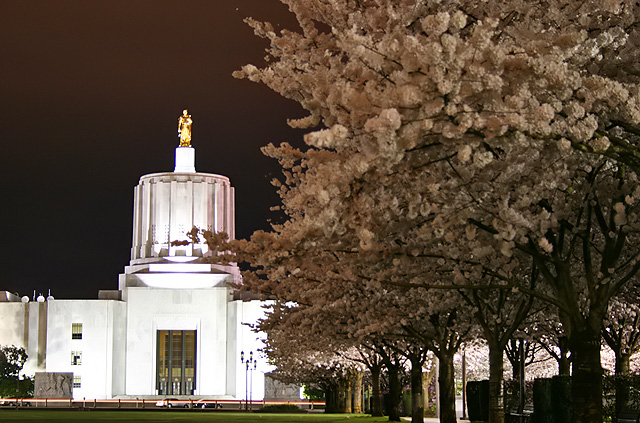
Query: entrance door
{"points": [[176, 362]]}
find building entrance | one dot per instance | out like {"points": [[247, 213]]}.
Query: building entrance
{"points": [[176, 362]]}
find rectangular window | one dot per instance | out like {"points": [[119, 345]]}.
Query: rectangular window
{"points": [[77, 382], [76, 358], [76, 330]]}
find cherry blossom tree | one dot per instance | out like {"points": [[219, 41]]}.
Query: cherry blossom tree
{"points": [[443, 335], [533, 353], [321, 300], [622, 332], [585, 251], [360, 311], [499, 315], [510, 125], [417, 357], [332, 281], [304, 358], [394, 362], [622, 335], [547, 332], [373, 362]]}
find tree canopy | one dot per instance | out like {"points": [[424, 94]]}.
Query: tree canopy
{"points": [[458, 146]]}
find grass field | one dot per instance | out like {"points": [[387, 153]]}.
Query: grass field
{"points": [[22, 415]]}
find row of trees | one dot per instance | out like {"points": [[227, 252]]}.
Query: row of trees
{"points": [[472, 173]]}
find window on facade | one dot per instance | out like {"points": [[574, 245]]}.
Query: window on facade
{"points": [[77, 382], [76, 358], [76, 330]]}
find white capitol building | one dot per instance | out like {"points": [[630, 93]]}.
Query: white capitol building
{"points": [[173, 327]]}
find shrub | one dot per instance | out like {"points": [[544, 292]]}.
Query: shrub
{"points": [[629, 382], [313, 394], [512, 394], [281, 408]]}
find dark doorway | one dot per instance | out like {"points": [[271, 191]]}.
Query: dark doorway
{"points": [[176, 362]]}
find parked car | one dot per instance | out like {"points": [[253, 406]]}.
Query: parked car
{"points": [[206, 404], [12, 402], [172, 402]]}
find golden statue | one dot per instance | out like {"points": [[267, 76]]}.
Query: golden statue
{"points": [[184, 129]]}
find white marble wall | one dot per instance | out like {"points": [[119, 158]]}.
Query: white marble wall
{"points": [[248, 313], [25, 325], [102, 344], [203, 310]]}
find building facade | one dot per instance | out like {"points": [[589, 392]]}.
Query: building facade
{"points": [[174, 327]]}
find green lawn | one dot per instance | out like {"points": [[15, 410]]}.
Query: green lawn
{"points": [[22, 415]]}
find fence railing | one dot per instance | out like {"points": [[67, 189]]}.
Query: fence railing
{"points": [[152, 403]]}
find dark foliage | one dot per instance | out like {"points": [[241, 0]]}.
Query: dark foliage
{"points": [[630, 383], [281, 408]]}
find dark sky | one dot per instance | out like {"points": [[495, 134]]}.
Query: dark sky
{"points": [[90, 94]]}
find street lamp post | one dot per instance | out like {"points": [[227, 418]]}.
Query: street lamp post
{"points": [[248, 367], [464, 385], [255, 363], [522, 356]]}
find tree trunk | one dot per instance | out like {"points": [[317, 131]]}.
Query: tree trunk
{"points": [[586, 381], [622, 389], [348, 385], [417, 400], [496, 370], [426, 383], [515, 369], [330, 399], [395, 393], [447, 388], [357, 391], [341, 398], [564, 366], [376, 397], [622, 363]]}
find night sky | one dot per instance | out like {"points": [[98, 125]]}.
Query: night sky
{"points": [[90, 94]]}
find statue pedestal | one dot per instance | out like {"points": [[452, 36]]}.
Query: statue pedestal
{"points": [[185, 160]]}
